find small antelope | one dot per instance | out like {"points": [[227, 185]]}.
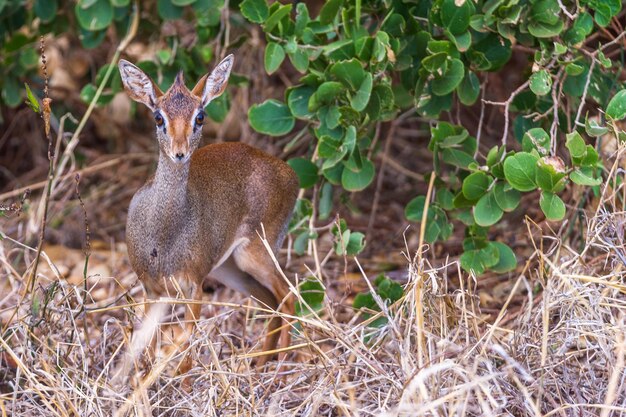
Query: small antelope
{"points": [[201, 214]]}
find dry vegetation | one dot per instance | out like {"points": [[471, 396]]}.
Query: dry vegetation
{"points": [[549, 339]]}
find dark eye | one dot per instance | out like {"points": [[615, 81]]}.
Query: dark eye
{"points": [[199, 118], [158, 119]]}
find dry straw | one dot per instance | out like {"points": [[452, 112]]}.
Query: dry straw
{"points": [[560, 352]]}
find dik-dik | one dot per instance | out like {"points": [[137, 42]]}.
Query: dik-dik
{"points": [[203, 212]]}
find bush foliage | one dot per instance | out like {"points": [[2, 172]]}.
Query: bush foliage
{"points": [[363, 63]]}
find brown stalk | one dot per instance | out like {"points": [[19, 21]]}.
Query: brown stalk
{"points": [[45, 114]]}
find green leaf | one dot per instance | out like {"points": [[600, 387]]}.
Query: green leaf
{"points": [[350, 73], [445, 199], [440, 132], [329, 11], [471, 260], [434, 62], [91, 39], [479, 260], [274, 56], [456, 17], [552, 206], [88, 93], [32, 101], [415, 209], [254, 10], [536, 139], [475, 185], [453, 141], [325, 205], [362, 96], [327, 92], [359, 180], [546, 11], [550, 174], [605, 10], [183, 2], [298, 101], [97, 16], [506, 197], [604, 60], [330, 115], [168, 10], [356, 243], [301, 242], [541, 82], [28, 59], [583, 26], [17, 42], [462, 41], [545, 30], [365, 300], [591, 157], [506, 258], [299, 59], [457, 158], [45, 9], [312, 293], [487, 211], [429, 104], [560, 49], [306, 170], [277, 16], [520, 169], [584, 176], [489, 52], [218, 108], [616, 109], [469, 89], [450, 80], [392, 290], [576, 145], [271, 117], [593, 128], [164, 56], [302, 19], [494, 156], [574, 69]]}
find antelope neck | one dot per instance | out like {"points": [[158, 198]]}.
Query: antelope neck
{"points": [[170, 188]]}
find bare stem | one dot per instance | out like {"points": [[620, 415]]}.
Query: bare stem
{"points": [[45, 114]]}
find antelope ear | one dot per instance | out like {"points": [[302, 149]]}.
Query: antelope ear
{"points": [[213, 85], [138, 85]]}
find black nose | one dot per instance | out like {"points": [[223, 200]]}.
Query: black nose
{"points": [[180, 156]]}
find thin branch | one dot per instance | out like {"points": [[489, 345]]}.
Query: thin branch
{"points": [[566, 12], [483, 87], [506, 105], [594, 60], [585, 90], [555, 111]]}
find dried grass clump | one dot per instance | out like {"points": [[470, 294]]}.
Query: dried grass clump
{"points": [[556, 347]]}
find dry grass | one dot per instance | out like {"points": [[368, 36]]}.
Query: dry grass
{"points": [[560, 352]]}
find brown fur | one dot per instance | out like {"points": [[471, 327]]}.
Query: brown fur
{"points": [[202, 216]]}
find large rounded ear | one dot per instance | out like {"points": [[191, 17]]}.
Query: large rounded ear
{"points": [[138, 85], [213, 85]]}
